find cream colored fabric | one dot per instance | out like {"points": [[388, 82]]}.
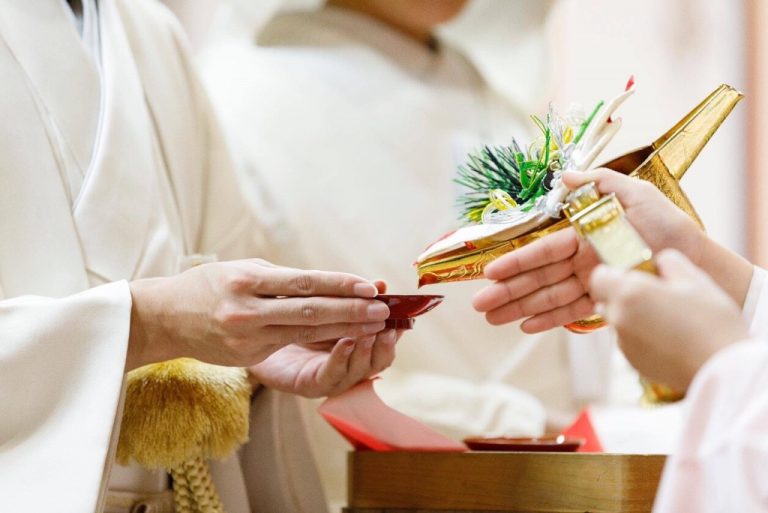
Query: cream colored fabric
{"points": [[157, 187], [755, 308], [289, 482], [60, 382], [719, 446], [719, 464]]}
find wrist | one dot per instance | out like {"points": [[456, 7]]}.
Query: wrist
{"points": [[736, 333], [253, 379], [731, 271], [147, 342]]}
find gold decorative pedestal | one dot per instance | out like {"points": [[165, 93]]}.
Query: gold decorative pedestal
{"points": [[481, 482]]}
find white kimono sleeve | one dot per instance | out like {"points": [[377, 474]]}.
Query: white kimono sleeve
{"points": [[755, 310], [61, 373], [721, 465]]}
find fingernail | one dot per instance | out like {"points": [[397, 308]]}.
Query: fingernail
{"points": [[350, 347], [373, 327], [390, 337], [365, 290], [377, 311], [368, 342]]}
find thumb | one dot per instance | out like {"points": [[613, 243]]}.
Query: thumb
{"points": [[606, 181], [575, 179], [674, 266], [604, 282], [381, 286]]}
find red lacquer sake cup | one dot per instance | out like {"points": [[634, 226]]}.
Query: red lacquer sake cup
{"points": [[404, 307], [554, 443]]}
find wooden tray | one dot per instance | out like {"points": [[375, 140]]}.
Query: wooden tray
{"points": [[474, 482]]}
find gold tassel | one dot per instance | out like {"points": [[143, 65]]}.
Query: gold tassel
{"points": [[177, 415]]}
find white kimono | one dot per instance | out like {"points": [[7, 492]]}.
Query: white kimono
{"points": [[352, 133], [720, 463], [112, 168]]}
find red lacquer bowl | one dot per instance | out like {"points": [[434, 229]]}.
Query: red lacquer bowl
{"points": [[540, 444], [404, 307]]}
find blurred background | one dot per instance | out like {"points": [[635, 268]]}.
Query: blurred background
{"points": [[678, 51]]}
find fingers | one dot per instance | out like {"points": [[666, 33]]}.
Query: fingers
{"points": [[502, 292], [619, 292], [605, 282], [626, 188], [548, 250], [674, 266], [605, 180], [336, 368], [359, 362], [542, 301], [371, 356], [284, 281], [381, 286], [285, 335], [315, 311], [352, 361], [383, 352], [581, 308]]}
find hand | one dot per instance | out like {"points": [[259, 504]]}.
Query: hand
{"points": [[238, 313], [546, 281], [326, 369], [670, 325]]}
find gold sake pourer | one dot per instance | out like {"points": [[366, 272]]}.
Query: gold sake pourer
{"points": [[664, 162]]}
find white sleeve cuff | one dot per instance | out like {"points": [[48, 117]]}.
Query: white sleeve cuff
{"points": [[755, 310]]}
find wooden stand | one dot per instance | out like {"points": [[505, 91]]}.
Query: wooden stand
{"points": [[475, 482]]}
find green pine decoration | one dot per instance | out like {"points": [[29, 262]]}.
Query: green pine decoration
{"points": [[518, 177]]}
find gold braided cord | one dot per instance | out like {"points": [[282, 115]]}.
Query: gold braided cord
{"points": [[193, 488]]}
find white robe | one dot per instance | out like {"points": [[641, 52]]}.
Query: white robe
{"points": [[111, 169], [351, 134], [719, 465]]}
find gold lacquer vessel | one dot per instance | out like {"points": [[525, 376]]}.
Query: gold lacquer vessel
{"points": [[663, 163], [600, 220]]}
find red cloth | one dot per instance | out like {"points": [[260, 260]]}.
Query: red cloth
{"points": [[582, 428], [362, 418]]}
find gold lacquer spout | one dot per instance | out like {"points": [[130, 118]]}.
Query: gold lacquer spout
{"points": [[665, 161], [680, 146]]}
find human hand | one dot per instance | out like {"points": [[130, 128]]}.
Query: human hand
{"points": [[326, 369], [238, 313], [546, 281], [668, 326]]}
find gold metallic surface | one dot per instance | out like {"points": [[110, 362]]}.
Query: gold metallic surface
{"points": [[605, 226], [464, 264], [580, 199], [662, 163]]}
